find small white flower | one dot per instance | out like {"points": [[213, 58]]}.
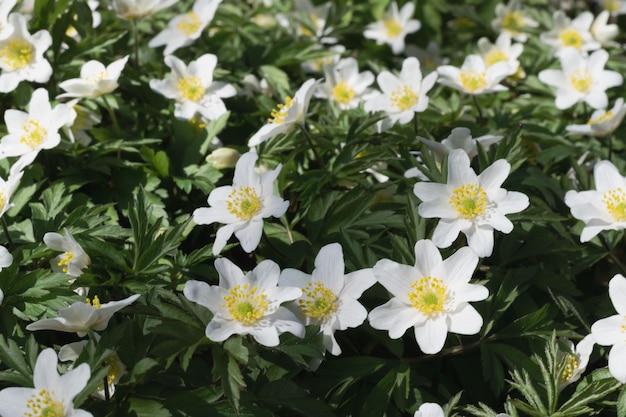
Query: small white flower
{"points": [[401, 96], [222, 158], [330, 298], [5, 27], [8, 187], [82, 317], [581, 79], [568, 33], [472, 204], [138, 9], [615, 7], [510, 18], [84, 121], [287, 116], [53, 394], [459, 138], [501, 51], [28, 133], [576, 359], [184, 29], [603, 208], [73, 259], [394, 27], [193, 88], [432, 297], [610, 331], [602, 122], [474, 77], [429, 410], [21, 55], [243, 206], [603, 32], [95, 79], [344, 84], [6, 259], [247, 303]]}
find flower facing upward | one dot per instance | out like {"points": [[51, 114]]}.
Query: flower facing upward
{"points": [[247, 303], [568, 33], [510, 18], [432, 297], [193, 88], [81, 317], [28, 133], [602, 122], [21, 55], [286, 116], [73, 259], [610, 331], [329, 298], [344, 84], [475, 77], [501, 51], [581, 79], [53, 394], [138, 9], [183, 29], [95, 79], [603, 208], [472, 204], [394, 27], [243, 206], [401, 96]]}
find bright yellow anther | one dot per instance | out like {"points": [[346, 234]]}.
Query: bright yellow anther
{"points": [[469, 200], [495, 55], [615, 202], [280, 112], [343, 93], [318, 301], [34, 133], [512, 21], [473, 80], [41, 404], [393, 27], [95, 302], [581, 80], [243, 202], [17, 54], [571, 37], [246, 304], [191, 88], [404, 98], [606, 117], [65, 261], [189, 24], [429, 295]]}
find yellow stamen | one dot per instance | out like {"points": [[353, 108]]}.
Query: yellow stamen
{"points": [[512, 21], [571, 37], [469, 200], [404, 98], [191, 88], [611, 5], [571, 364], [243, 202], [429, 295], [280, 112], [95, 302], [606, 117], [246, 305], [317, 302], [495, 55], [472, 80], [41, 404], [393, 27], [189, 24], [65, 261], [581, 80], [343, 93], [17, 54], [615, 202]]}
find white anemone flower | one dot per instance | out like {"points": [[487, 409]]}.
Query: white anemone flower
{"points": [[401, 96], [330, 298], [5, 27], [86, 118], [8, 187], [193, 88], [581, 79], [603, 208], [610, 331], [614, 7], [53, 394], [501, 51], [602, 122], [138, 9], [6, 259], [21, 55], [286, 117], [432, 297], [512, 19], [332, 58], [345, 85], [471, 204], [243, 206], [475, 77], [575, 359], [184, 29], [95, 79], [247, 303], [81, 317], [568, 33], [394, 27], [73, 259], [28, 133], [459, 138], [603, 32], [429, 410]]}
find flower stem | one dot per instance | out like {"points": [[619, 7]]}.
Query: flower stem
{"points": [[107, 105], [481, 120], [610, 139], [136, 42], [5, 228], [310, 140]]}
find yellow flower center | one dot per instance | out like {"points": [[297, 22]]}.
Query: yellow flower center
{"points": [[429, 296], [243, 202], [41, 404], [404, 98], [512, 21], [245, 304], [65, 261], [571, 364], [17, 54], [469, 200], [317, 302], [606, 117], [393, 27], [115, 371], [495, 55], [615, 202], [34, 134], [472, 80], [191, 88], [581, 80], [280, 112], [343, 93], [571, 37], [611, 5], [95, 302], [189, 24]]}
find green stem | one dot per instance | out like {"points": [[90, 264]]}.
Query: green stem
{"points": [[6, 233], [310, 140], [481, 120], [107, 105], [610, 138], [415, 124], [136, 42]]}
